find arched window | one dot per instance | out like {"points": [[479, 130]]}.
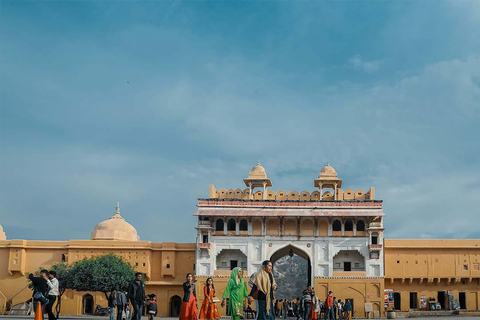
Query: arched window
{"points": [[348, 225], [219, 225], [243, 225], [232, 225], [360, 225], [337, 225]]}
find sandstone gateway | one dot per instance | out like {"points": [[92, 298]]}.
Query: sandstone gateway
{"points": [[338, 232]]}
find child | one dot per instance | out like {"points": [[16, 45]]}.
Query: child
{"points": [[152, 307]]}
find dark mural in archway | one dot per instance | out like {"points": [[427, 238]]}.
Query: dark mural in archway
{"points": [[292, 271]]}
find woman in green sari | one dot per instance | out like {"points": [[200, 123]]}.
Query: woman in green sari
{"points": [[237, 290]]}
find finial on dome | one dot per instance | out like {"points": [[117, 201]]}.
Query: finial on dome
{"points": [[117, 212], [328, 164], [258, 162]]}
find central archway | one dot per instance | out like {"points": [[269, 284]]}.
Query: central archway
{"points": [[289, 261]]}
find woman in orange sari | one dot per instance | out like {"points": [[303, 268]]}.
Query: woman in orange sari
{"points": [[209, 309], [188, 311]]}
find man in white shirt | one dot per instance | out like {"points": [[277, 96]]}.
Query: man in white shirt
{"points": [[52, 294]]}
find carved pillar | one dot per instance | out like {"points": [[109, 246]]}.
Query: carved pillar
{"points": [[354, 227], [282, 230], [225, 224], [264, 226], [298, 227]]}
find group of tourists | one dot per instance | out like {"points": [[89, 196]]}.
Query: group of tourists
{"points": [[310, 307], [135, 294], [262, 286], [284, 308], [45, 292]]}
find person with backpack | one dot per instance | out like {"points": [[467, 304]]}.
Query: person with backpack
{"points": [[347, 309], [152, 307], [40, 290]]}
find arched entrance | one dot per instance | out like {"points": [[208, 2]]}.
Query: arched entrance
{"points": [[175, 304], [289, 261], [87, 304]]}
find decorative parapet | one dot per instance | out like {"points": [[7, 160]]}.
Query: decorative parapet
{"points": [[293, 195]]}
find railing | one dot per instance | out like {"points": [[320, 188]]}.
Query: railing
{"points": [[374, 247], [204, 245], [375, 225], [204, 224]]}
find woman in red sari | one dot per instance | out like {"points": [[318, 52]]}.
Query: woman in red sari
{"points": [[209, 309], [188, 311]]}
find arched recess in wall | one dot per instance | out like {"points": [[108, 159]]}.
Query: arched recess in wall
{"points": [[348, 260], [243, 225], [307, 227], [219, 225], [337, 225], [273, 227], [358, 298], [349, 225], [87, 304], [322, 228], [257, 227], [290, 227], [231, 225], [227, 259], [360, 225], [291, 249], [175, 305]]}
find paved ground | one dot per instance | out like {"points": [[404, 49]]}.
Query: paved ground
{"points": [[145, 318]]}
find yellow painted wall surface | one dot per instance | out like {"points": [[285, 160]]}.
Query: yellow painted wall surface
{"points": [[18, 258], [360, 290], [427, 267]]}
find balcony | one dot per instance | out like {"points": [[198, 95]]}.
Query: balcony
{"points": [[374, 247], [375, 225], [204, 225], [201, 245]]}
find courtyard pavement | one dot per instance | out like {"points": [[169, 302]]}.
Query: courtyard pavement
{"points": [[158, 318]]}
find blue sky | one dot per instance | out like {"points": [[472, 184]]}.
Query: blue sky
{"points": [[147, 103]]}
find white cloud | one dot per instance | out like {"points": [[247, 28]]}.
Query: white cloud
{"points": [[356, 62]]}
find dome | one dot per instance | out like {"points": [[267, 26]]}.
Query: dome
{"points": [[2, 234], [257, 172], [115, 228], [328, 172]]}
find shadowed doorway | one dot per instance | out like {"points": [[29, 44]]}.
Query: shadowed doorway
{"points": [[292, 270]]}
